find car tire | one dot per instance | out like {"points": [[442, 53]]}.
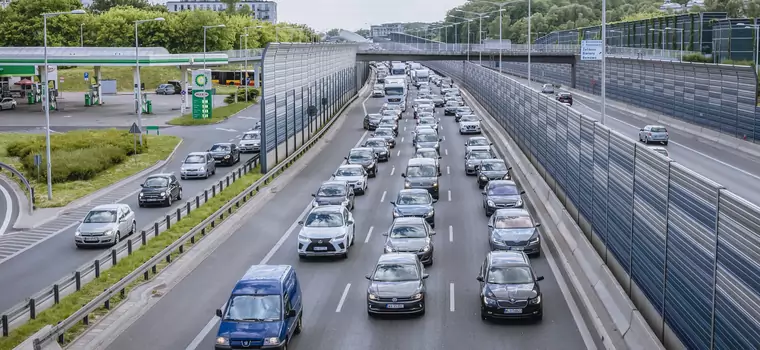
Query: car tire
{"points": [[483, 316], [179, 195], [213, 172], [118, 238], [299, 325], [537, 255], [665, 143], [539, 318], [169, 200], [481, 185], [140, 205], [488, 215], [134, 228], [208, 174], [13, 106], [344, 256], [353, 238], [422, 313], [646, 140]]}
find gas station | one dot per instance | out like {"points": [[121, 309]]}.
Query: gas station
{"points": [[29, 61]]}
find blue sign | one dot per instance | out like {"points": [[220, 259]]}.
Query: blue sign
{"points": [[183, 92], [86, 75]]}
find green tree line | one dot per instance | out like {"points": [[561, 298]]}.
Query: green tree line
{"points": [[110, 23]]}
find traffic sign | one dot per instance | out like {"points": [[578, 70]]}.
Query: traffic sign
{"points": [[86, 75], [134, 129], [61, 79], [183, 92], [591, 50]]}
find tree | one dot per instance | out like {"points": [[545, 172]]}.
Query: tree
{"points": [[363, 32], [333, 32], [21, 23], [105, 5]]}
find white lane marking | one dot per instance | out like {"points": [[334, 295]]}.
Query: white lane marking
{"points": [[446, 151], [393, 170], [443, 138], [448, 170], [383, 197], [343, 298], [231, 140], [369, 234], [404, 128], [364, 106], [451, 233], [227, 130], [449, 195], [398, 153], [451, 297], [8, 210], [402, 139], [251, 118]]}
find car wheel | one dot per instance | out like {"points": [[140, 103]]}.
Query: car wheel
{"points": [[134, 228], [665, 143], [13, 106], [345, 255], [481, 185], [353, 238], [169, 201], [140, 205], [483, 316], [422, 313], [537, 255], [488, 215], [299, 325], [208, 174], [646, 140], [539, 318], [118, 238], [179, 195], [213, 172]]}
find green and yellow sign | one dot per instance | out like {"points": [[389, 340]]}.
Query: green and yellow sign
{"points": [[203, 94]]}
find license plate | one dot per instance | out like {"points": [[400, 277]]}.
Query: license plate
{"points": [[394, 306], [91, 239], [513, 311], [320, 248], [516, 248]]}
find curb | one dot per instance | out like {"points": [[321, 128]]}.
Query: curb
{"points": [[214, 123], [21, 198]]}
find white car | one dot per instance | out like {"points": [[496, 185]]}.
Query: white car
{"points": [[469, 124], [326, 231], [250, 142], [378, 92], [105, 225], [7, 103], [355, 175], [654, 133], [432, 122]]}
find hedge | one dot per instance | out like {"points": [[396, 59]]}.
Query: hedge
{"points": [[253, 95]]}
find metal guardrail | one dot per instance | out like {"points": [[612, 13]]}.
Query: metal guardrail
{"points": [[103, 300], [251, 54]]}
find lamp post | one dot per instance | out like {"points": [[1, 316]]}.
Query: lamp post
{"points": [[662, 36], [205, 29], [246, 60], [456, 25], [81, 34], [681, 46], [243, 72], [604, 62], [46, 96], [137, 71], [480, 31], [757, 41], [501, 16]]}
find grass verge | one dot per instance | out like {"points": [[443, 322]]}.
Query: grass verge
{"points": [[150, 76], [108, 278], [65, 192], [218, 115]]}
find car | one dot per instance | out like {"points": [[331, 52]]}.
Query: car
{"points": [[660, 150], [422, 173], [390, 113], [425, 115], [437, 100], [250, 141], [462, 111], [427, 138], [225, 153], [654, 133], [432, 122], [326, 231], [396, 107], [390, 123], [378, 91], [7, 103], [547, 89], [397, 285], [450, 108], [104, 225], [493, 169], [415, 202], [430, 153], [477, 143], [365, 157], [473, 159], [334, 192], [469, 124], [425, 110], [514, 229], [411, 235], [380, 146], [160, 189], [509, 287], [198, 165], [165, 89], [354, 175], [371, 121], [264, 310], [501, 194], [387, 134], [565, 97]]}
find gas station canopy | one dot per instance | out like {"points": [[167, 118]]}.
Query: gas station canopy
{"points": [[103, 56]]}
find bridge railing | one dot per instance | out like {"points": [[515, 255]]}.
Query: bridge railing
{"points": [[242, 54]]}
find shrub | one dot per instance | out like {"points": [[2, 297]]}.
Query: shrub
{"points": [[695, 57], [253, 95], [74, 140], [79, 164]]}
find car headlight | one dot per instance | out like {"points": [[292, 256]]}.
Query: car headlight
{"points": [[483, 177], [140, 195], [396, 214], [340, 237], [383, 153], [345, 203], [388, 249], [435, 184], [430, 213], [519, 202], [203, 168], [536, 300], [407, 184], [108, 233], [77, 233], [372, 297], [222, 341], [491, 203], [272, 341], [489, 301], [425, 249], [162, 194], [417, 296], [535, 239], [301, 237]]}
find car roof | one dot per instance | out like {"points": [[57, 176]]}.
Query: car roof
{"points": [[389, 129], [197, 153], [477, 138], [494, 160], [421, 161], [108, 207], [512, 212], [375, 115], [262, 279], [397, 258], [408, 221], [366, 149], [427, 116], [508, 258], [252, 132], [413, 191], [350, 166], [656, 126], [427, 149], [335, 182], [375, 139], [327, 209], [426, 129], [502, 182], [160, 175]]}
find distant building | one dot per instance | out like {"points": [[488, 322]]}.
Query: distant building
{"points": [[386, 28], [670, 6], [263, 10]]}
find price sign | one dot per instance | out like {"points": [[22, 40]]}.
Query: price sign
{"points": [[203, 104]]}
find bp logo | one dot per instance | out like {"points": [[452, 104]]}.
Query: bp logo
{"points": [[201, 80]]}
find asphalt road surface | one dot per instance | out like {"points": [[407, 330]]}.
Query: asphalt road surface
{"points": [[334, 291], [45, 263], [9, 207]]}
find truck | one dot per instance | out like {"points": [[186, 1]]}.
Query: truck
{"points": [[421, 75], [398, 68], [395, 91]]}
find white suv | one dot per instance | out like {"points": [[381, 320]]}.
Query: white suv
{"points": [[327, 231]]}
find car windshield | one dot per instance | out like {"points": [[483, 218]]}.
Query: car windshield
{"points": [[464, 110], [427, 154], [468, 118], [396, 273], [522, 221], [424, 114], [251, 136], [480, 155], [195, 159], [478, 142], [413, 199], [375, 143], [390, 120], [254, 308], [659, 129], [493, 166], [348, 171], [359, 155], [408, 231], [394, 91], [379, 86], [427, 121], [332, 191], [383, 132], [100, 217], [452, 103], [502, 190], [389, 112], [421, 171], [427, 137], [156, 182], [510, 275], [324, 220], [220, 148]]}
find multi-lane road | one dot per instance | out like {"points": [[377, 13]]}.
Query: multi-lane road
{"points": [[33, 267], [334, 291], [9, 207]]}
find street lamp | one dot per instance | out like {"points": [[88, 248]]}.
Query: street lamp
{"points": [[137, 70], [81, 34], [46, 96], [745, 25], [243, 74], [480, 30], [246, 60], [604, 61], [662, 36], [501, 16], [681, 47], [456, 28], [206, 28]]}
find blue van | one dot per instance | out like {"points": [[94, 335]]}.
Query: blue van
{"points": [[264, 311]]}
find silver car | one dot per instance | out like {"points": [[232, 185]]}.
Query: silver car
{"points": [[654, 133], [547, 89], [165, 89], [105, 225], [198, 165], [250, 142], [473, 159], [327, 231], [354, 175], [7, 103]]}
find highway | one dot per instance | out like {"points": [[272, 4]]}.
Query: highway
{"points": [[334, 291], [43, 264], [9, 207]]}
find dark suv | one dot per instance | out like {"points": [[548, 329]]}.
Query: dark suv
{"points": [[159, 189], [509, 287], [225, 153], [565, 97]]}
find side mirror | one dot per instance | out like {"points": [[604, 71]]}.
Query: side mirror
{"points": [[314, 195], [480, 278], [432, 233], [209, 150], [300, 223], [483, 191], [490, 143], [538, 224], [142, 185], [403, 174], [368, 277], [385, 234], [539, 278], [440, 140], [490, 225], [291, 313], [439, 157], [425, 276], [350, 222], [641, 129], [393, 202], [435, 200], [218, 312], [522, 192], [346, 158]]}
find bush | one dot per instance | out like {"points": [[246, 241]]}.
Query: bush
{"points": [[74, 140], [253, 95], [80, 164], [696, 57]]}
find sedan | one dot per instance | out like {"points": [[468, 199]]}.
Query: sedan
{"points": [[386, 134], [7, 103], [225, 153], [492, 169], [514, 229], [380, 146], [334, 192], [451, 107], [462, 111], [430, 153], [411, 235], [428, 121], [251, 141], [473, 159], [371, 121], [415, 202], [198, 165], [477, 143], [509, 287], [365, 157], [547, 89], [105, 225], [326, 231], [390, 123], [500, 194], [437, 100], [397, 285], [654, 133]]}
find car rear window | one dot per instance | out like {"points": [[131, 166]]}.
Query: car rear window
{"points": [[659, 129]]}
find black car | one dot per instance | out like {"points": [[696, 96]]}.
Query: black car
{"points": [[397, 286], [492, 169], [411, 235], [389, 123], [501, 194], [514, 229], [364, 156], [371, 121], [473, 159], [380, 146], [509, 287], [461, 111], [387, 134], [565, 97], [422, 173], [159, 189], [451, 107], [334, 193], [415, 203], [225, 153]]}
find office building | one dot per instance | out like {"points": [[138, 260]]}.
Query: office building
{"points": [[262, 10], [386, 28]]}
